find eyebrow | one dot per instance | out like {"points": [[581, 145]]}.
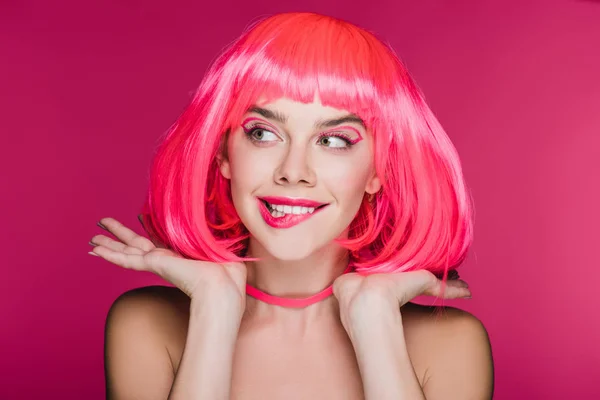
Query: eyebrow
{"points": [[320, 124]]}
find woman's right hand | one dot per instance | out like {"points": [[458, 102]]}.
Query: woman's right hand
{"points": [[223, 284]]}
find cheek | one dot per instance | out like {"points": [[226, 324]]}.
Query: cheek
{"points": [[249, 167], [347, 177]]}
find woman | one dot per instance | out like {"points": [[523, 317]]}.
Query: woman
{"points": [[298, 204]]}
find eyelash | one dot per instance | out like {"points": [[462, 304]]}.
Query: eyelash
{"points": [[349, 142]]}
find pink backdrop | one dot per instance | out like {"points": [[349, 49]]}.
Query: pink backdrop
{"points": [[87, 89]]}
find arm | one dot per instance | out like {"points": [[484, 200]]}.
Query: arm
{"points": [[139, 327], [206, 364], [385, 367], [137, 361], [460, 361]]}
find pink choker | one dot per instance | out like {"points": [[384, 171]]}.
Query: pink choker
{"points": [[291, 302]]}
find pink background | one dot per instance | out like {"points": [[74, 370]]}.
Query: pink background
{"points": [[87, 89]]}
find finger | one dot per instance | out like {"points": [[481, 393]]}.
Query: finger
{"points": [[125, 234], [457, 282], [422, 282], [129, 261], [451, 290], [101, 240], [182, 274]]}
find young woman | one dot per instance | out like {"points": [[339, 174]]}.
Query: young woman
{"points": [[298, 204]]}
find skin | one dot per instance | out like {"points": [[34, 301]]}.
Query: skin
{"points": [[292, 159], [326, 350]]}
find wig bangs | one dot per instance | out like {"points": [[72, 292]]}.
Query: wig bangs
{"points": [[299, 59]]}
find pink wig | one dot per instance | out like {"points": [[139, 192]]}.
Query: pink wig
{"points": [[420, 219]]}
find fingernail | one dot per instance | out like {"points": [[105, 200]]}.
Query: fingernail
{"points": [[94, 254], [92, 244], [102, 226]]}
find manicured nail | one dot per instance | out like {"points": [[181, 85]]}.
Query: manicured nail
{"points": [[92, 244], [94, 254], [102, 226]]}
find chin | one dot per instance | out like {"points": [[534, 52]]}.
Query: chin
{"points": [[287, 250]]}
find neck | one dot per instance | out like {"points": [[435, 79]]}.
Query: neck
{"points": [[298, 278]]}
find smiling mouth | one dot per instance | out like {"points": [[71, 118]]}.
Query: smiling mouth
{"points": [[281, 210]]}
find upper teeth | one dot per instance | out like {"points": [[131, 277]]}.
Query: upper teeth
{"points": [[292, 209]]}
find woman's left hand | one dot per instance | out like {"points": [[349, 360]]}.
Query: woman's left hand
{"points": [[361, 297]]}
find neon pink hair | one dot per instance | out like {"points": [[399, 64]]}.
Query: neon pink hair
{"points": [[420, 219]]}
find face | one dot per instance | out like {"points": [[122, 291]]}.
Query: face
{"points": [[298, 174]]}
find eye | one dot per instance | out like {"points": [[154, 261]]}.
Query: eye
{"points": [[259, 134], [334, 141]]}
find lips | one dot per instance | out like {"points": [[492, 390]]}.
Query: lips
{"points": [[289, 201], [287, 220]]}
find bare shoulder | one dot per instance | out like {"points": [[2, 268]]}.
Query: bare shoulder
{"points": [[436, 327], [452, 351], [435, 319], [144, 337], [157, 312], [158, 303]]}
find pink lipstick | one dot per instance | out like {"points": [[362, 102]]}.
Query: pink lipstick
{"points": [[290, 201], [268, 205]]}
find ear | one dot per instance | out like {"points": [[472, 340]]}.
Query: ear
{"points": [[223, 157], [373, 185], [224, 166]]}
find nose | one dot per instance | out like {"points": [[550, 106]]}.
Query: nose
{"points": [[295, 168]]}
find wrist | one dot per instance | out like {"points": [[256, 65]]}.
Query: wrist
{"points": [[215, 314], [373, 310], [373, 320]]}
